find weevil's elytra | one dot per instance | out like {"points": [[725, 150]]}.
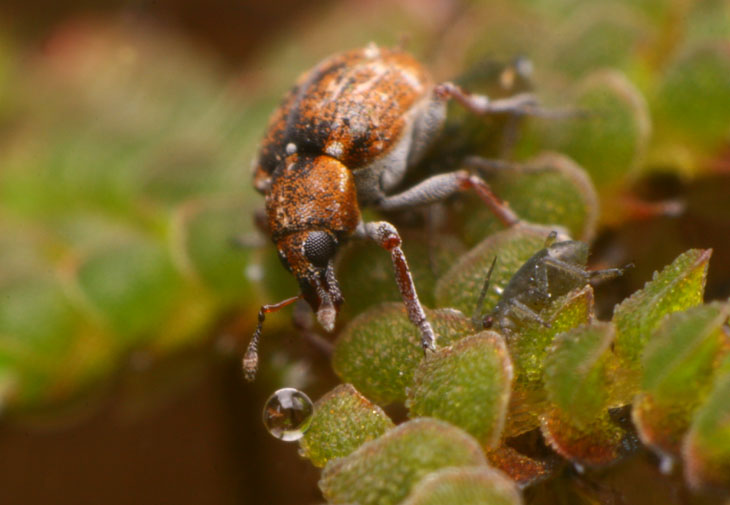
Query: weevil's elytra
{"points": [[342, 138]]}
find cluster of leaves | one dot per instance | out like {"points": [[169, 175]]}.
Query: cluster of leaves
{"points": [[124, 178], [123, 183], [663, 351]]}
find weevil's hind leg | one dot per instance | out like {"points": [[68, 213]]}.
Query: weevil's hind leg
{"points": [[251, 358], [387, 237], [523, 104], [441, 186]]}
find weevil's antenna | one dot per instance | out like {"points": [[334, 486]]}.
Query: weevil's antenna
{"points": [[251, 358], [476, 317]]}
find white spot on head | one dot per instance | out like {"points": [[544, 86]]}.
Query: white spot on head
{"points": [[334, 149], [291, 148], [372, 50]]}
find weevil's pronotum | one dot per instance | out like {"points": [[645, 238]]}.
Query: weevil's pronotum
{"points": [[552, 272], [343, 138]]}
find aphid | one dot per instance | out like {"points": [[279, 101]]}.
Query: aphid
{"points": [[552, 272], [343, 138]]}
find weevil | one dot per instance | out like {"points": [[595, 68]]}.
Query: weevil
{"points": [[553, 271], [343, 138]]}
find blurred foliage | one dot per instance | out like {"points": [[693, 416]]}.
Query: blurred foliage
{"points": [[123, 181]]}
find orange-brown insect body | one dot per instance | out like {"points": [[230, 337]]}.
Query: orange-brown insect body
{"points": [[345, 125], [343, 138]]}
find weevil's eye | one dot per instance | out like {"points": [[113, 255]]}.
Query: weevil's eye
{"points": [[319, 248]]}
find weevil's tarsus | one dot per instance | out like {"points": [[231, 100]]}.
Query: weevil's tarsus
{"points": [[251, 358], [477, 316], [387, 237]]}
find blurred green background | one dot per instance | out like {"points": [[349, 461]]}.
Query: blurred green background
{"points": [[127, 129]]}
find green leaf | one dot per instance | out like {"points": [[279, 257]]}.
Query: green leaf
{"points": [[466, 384], [596, 442], [465, 486], [693, 97], [206, 231], [132, 284], [522, 469], [379, 350], [343, 420], [575, 372], [610, 138], [528, 350], [706, 448], [384, 470], [677, 287], [679, 364]]}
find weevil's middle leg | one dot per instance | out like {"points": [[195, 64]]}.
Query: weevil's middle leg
{"points": [[441, 186], [387, 237]]}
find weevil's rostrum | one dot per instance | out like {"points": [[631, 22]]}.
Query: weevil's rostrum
{"points": [[343, 138]]}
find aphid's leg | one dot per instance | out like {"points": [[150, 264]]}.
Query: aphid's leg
{"points": [[598, 276], [594, 276], [524, 312], [441, 186], [387, 237], [520, 104], [251, 358]]}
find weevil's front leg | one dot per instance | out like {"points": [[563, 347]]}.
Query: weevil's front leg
{"points": [[441, 186], [387, 237], [251, 358]]}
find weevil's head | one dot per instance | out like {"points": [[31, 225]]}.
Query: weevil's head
{"points": [[312, 208], [309, 255]]}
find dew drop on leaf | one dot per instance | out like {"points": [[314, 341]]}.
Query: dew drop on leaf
{"points": [[287, 414]]}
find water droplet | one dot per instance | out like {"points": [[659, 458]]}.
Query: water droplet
{"points": [[287, 414]]}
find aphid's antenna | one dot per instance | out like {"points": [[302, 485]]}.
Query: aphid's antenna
{"points": [[476, 317], [251, 358]]}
